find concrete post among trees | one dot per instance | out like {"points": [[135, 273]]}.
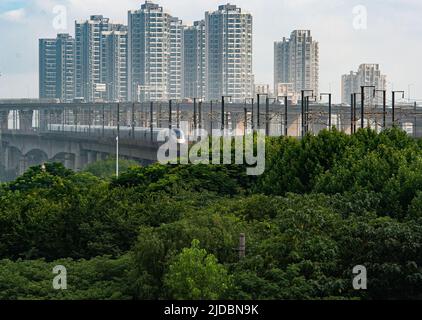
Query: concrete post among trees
{"points": [[242, 246]]}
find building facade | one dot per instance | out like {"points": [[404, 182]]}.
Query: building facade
{"points": [[47, 68], [57, 68], [263, 89], [88, 57], [114, 64], [367, 75], [194, 61], [296, 61], [229, 54], [148, 49], [175, 76], [65, 55]]}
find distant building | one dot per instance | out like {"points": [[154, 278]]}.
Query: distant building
{"points": [[229, 54], [286, 89], [114, 64], [296, 61], [349, 85], [88, 57], [175, 76], [65, 52], [263, 89], [56, 68], [194, 65], [367, 75], [47, 68], [155, 54]]}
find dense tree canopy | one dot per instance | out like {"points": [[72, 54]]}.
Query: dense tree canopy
{"points": [[325, 204]]}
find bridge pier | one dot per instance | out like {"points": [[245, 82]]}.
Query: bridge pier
{"points": [[100, 156], [4, 120], [68, 161], [78, 162], [25, 120], [4, 155], [92, 157], [23, 165]]}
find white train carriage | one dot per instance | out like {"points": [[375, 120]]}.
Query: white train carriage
{"points": [[124, 131]]}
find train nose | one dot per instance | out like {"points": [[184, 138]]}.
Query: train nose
{"points": [[178, 135]]}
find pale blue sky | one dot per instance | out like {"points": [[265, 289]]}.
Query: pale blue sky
{"points": [[393, 37]]}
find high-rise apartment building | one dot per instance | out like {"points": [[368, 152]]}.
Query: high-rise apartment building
{"points": [[88, 57], [47, 68], [149, 53], [56, 68], [114, 63], [229, 53], [367, 75], [296, 61], [194, 60], [65, 55], [175, 76]]}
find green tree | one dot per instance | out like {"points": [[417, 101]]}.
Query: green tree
{"points": [[196, 275], [106, 169]]}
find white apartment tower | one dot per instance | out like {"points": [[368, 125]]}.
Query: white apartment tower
{"points": [[194, 61], [229, 54], [154, 54], [114, 63], [65, 53], [367, 75], [296, 61], [88, 57], [175, 76]]}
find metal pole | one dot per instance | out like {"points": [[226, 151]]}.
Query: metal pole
{"points": [[211, 115], [329, 112], [384, 109], [252, 114], [285, 116], [200, 114], [355, 104], [267, 116], [351, 113], [133, 120], [222, 114], [89, 120], [117, 156], [245, 122], [151, 119], [415, 119], [118, 119], [117, 140], [307, 114], [103, 115], [258, 111], [194, 114], [362, 107], [170, 114], [393, 107], [303, 113], [178, 115]]}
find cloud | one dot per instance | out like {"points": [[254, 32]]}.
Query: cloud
{"points": [[17, 15]]}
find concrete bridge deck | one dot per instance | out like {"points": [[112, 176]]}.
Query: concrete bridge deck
{"points": [[89, 129]]}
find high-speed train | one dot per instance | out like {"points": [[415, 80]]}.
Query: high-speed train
{"points": [[124, 132]]}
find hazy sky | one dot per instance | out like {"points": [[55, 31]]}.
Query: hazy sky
{"points": [[393, 37]]}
